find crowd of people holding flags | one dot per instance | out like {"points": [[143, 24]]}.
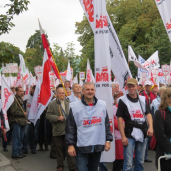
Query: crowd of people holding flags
{"points": [[86, 128], [145, 107]]}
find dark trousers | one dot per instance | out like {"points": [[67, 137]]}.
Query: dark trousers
{"points": [[60, 145], [53, 148], [88, 161], [118, 165], [4, 143], [30, 136], [17, 139]]}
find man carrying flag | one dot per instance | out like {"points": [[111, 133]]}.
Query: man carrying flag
{"points": [[18, 119]]}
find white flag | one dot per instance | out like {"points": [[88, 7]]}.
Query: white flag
{"points": [[119, 65], [7, 98], [103, 67], [141, 61], [68, 75], [88, 73], [153, 60], [165, 12], [132, 57]]}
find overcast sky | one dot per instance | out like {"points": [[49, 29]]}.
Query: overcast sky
{"points": [[57, 18]]}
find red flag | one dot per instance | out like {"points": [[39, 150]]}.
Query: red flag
{"points": [[46, 46], [45, 92]]}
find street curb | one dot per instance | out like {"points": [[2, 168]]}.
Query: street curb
{"points": [[4, 161]]}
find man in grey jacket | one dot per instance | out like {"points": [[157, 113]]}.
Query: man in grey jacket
{"points": [[57, 113]]}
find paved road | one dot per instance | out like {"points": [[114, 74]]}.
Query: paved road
{"points": [[42, 162]]}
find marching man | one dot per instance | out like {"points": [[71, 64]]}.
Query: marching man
{"points": [[88, 129], [131, 108]]}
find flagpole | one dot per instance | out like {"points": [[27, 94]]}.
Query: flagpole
{"points": [[14, 96], [58, 73]]}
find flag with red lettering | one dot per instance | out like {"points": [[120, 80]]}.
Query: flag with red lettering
{"points": [[46, 46], [103, 67], [88, 73], [153, 60], [27, 93], [119, 64], [22, 72], [42, 95], [7, 98], [165, 12]]}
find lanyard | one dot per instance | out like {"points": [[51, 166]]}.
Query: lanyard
{"points": [[90, 114], [76, 98]]}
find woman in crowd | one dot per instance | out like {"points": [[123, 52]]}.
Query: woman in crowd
{"points": [[118, 163], [162, 130]]}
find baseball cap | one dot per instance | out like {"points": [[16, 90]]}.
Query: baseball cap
{"points": [[153, 87], [147, 83], [132, 81]]}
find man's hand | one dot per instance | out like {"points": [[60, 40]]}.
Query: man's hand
{"points": [[124, 141], [25, 114], [61, 118], [107, 146], [150, 132], [71, 150], [5, 131]]}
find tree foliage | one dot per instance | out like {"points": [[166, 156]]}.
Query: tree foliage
{"points": [[14, 8], [9, 53]]}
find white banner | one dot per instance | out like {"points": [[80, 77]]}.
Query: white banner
{"points": [[165, 69], [82, 75], [153, 60], [38, 71], [141, 61], [119, 64], [10, 68], [103, 68], [165, 12]]}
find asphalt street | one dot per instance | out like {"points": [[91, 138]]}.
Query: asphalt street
{"points": [[42, 162]]}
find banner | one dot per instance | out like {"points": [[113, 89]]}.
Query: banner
{"points": [[165, 12], [10, 68], [141, 61], [82, 75], [153, 60], [68, 74], [38, 71], [119, 64], [165, 70], [103, 68]]}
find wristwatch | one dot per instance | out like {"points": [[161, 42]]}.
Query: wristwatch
{"points": [[108, 141]]}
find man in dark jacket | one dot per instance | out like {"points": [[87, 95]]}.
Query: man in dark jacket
{"points": [[18, 120], [88, 130], [57, 113]]}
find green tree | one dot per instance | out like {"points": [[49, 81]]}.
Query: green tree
{"points": [[14, 8], [9, 53], [34, 52]]}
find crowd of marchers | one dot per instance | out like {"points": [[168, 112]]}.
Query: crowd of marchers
{"points": [[142, 122]]}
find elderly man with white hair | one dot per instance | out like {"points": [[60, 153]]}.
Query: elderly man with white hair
{"points": [[76, 88]]}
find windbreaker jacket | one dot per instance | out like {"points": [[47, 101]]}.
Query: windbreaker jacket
{"points": [[71, 132], [162, 131]]}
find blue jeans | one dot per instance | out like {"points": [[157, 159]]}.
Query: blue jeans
{"points": [[102, 167], [139, 148], [17, 139], [88, 161]]}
